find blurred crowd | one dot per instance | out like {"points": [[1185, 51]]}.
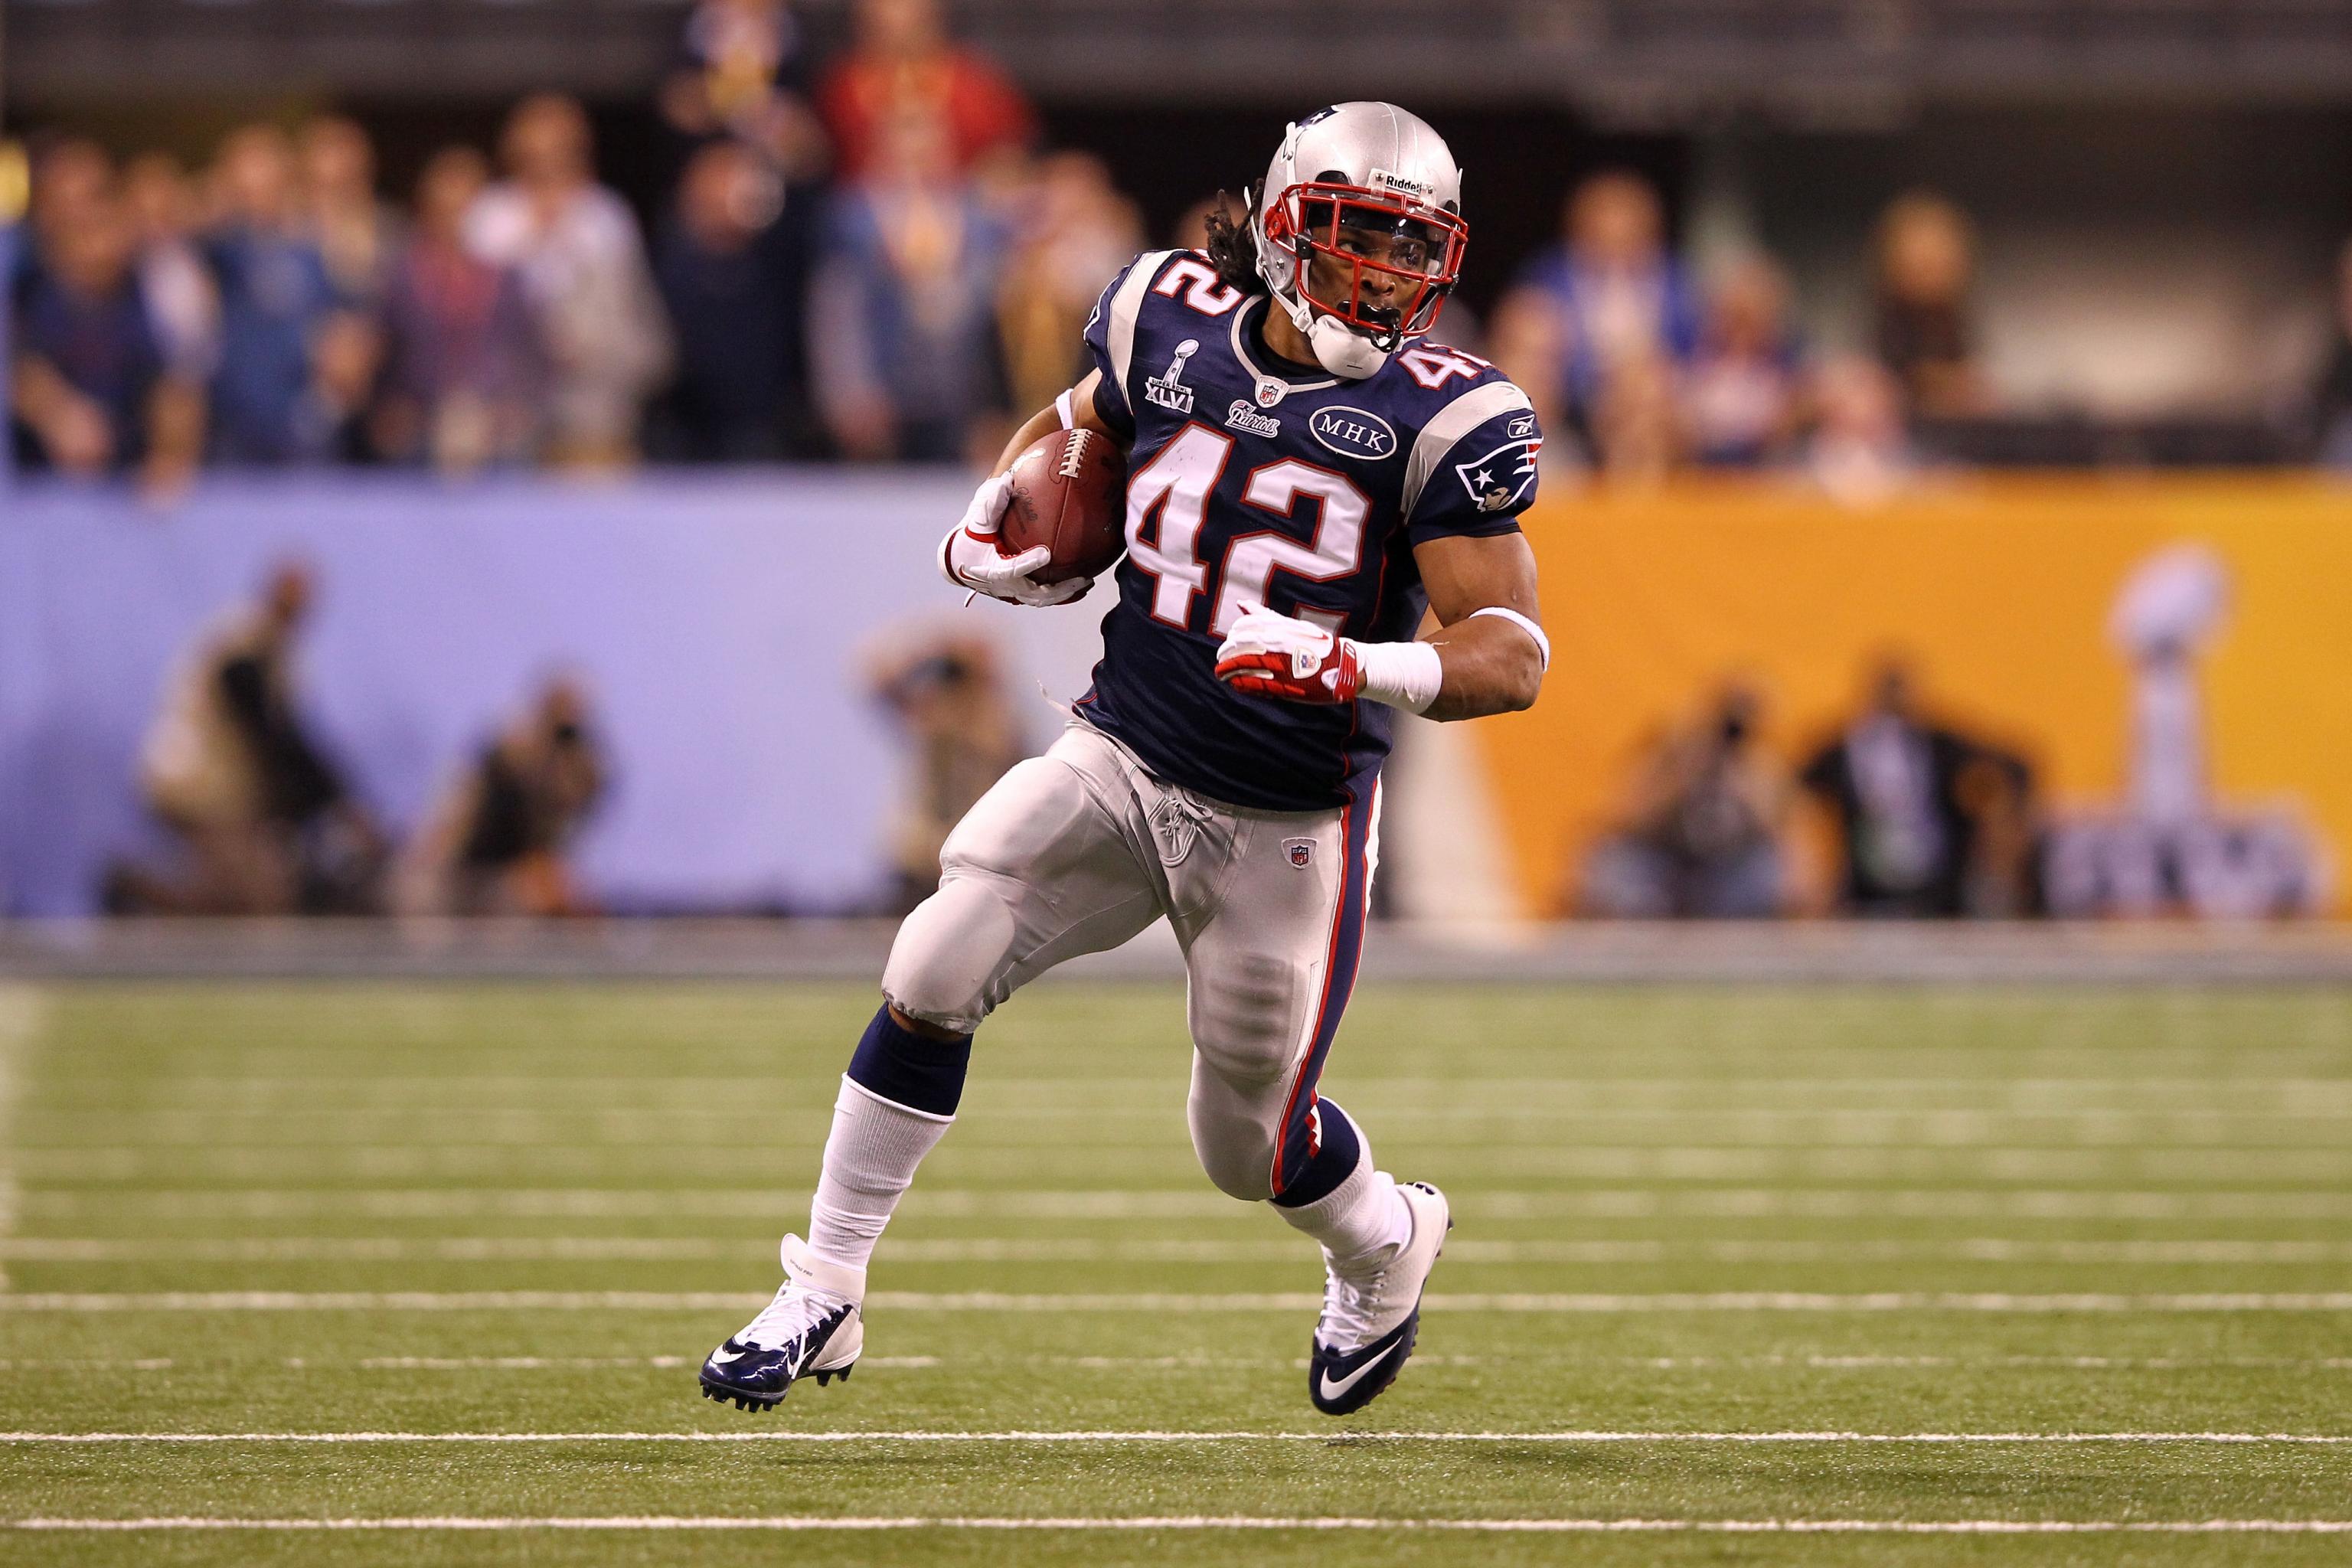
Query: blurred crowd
{"points": [[865, 257], [262, 820], [867, 260], [1902, 811], [1643, 367]]}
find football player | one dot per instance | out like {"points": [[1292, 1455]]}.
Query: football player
{"points": [[1321, 531]]}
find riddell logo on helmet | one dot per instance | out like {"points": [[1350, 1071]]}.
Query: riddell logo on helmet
{"points": [[1404, 185]]}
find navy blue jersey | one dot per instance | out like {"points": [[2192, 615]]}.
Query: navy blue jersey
{"points": [[1254, 481]]}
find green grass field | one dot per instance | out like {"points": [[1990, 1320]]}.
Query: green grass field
{"points": [[1724, 1256]]}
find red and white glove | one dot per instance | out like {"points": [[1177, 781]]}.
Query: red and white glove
{"points": [[970, 557], [1271, 655]]}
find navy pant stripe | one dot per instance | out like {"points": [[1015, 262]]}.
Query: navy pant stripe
{"points": [[1295, 1144]]}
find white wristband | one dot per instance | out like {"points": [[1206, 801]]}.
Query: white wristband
{"points": [[1402, 674], [1543, 643]]}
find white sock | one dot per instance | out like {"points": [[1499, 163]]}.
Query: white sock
{"points": [[1361, 1222], [869, 1162]]}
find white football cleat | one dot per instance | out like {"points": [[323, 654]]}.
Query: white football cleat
{"points": [[1371, 1321], [813, 1327]]}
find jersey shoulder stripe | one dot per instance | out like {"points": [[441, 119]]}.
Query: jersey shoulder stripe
{"points": [[1449, 424], [1126, 305]]}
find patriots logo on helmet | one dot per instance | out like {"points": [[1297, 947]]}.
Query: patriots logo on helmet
{"points": [[1500, 478]]}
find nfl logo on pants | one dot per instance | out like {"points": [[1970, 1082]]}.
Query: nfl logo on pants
{"points": [[1300, 850]]}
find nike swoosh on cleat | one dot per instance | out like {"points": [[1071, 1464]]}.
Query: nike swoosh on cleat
{"points": [[722, 1358], [1331, 1390]]}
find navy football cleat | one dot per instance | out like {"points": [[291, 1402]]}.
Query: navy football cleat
{"points": [[812, 1328], [1369, 1321]]}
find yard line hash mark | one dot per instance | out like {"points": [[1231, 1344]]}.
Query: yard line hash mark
{"points": [[1232, 1523], [2292, 1439], [1264, 1302]]}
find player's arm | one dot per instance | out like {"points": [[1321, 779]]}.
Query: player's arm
{"points": [[1491, 650], [969, 556], [1486, 654], [1074, 410], [1482, 648]]}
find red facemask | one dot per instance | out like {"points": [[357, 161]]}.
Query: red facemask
{"points": [[1394, 259]]}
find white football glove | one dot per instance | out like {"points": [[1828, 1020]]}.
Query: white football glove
{"points": [[969, 556]]}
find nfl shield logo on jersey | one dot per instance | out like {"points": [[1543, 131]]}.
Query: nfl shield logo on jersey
{"points": [[1300, 850]]}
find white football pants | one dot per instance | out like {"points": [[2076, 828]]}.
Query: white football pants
{"points": [[1079, 849]]}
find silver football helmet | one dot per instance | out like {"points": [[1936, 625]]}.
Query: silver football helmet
{"points": [[1359, 231]]}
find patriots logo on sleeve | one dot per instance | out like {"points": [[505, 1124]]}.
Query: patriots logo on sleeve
{"points": [[1500, 478]]}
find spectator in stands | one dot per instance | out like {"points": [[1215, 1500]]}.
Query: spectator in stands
{"points": [[1859, 449], [1635, 423], [902, 313], [582, 264], [497, 843], [178, 287], [1858, 452], [358, 236], [1608, 293], [1743, 396], [90, 389], [1930, 822], [948, 695], [2331, 411], [295, 364], [730, 276], [1076, 232], [1926, 267], [742, 72], [462, 369], [70, 175], [231, 767], [903, 63], [1702, 830]]}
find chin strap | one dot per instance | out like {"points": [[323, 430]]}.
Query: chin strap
{"points": [[1344, 351]]}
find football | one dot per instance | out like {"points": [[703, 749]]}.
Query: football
{"points": [[1069, 494]]}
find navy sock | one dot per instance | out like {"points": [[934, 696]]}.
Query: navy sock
{"points": [[1332, 1164], [910, 1069]]}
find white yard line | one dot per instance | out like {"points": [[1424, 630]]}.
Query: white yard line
{"points": [[1032, 1202], [2327, 1163], [22, 1011], [1082, 1249], [1196, 1363], [1258, 1301], [796, 1522], [1341, 1437]]}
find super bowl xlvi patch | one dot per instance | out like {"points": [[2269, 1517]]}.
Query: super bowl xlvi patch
{"points": [[1353, 433], [1301, 852], [1498, 479], [1168, 389], [1241, 417]]}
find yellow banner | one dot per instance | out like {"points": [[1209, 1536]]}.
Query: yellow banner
{"points": [[2000, 592]]}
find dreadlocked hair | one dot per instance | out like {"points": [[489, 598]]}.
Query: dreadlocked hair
{"points": [[1233, 246]]}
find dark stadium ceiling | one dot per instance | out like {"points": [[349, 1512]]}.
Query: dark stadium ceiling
{"points": [[1637, 62]]}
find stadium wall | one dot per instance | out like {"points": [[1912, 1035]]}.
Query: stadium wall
{"points": [[1998, 591], [723, 624]]}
